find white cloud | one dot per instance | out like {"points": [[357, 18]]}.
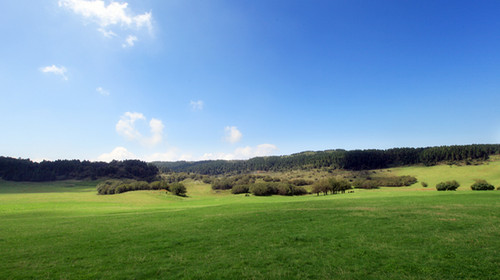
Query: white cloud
{"points": [[107, 33], [264, 150], [156, 132], [243, 153], [233, 135], [61, 70], [102, 91], [114, 15], [119, 153], [170, 155], [196, 105], [129, 42], [126, 128]]}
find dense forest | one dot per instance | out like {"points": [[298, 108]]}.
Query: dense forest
{"points": [[338, 159], [26, 170]]}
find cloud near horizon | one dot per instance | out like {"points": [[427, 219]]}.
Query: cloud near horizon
{"points": [[170, 155], [118, 153], [243, 153], [174, 154]]}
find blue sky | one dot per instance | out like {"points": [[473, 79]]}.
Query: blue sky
{"points": [[191, 80]]}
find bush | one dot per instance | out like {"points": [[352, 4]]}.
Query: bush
{"points": [[298, 190], [178, 189], [321, 186], [394, 181], [482, 185], [447, 186], [121, 186], [301, 182], [332, 185], [262, 189], [159, 185], [289, 189], [365, 184], [207, 180], [424, 184], [222, 184], [240, 189]]}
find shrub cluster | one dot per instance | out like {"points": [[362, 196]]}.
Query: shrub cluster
{"points": [[482, 185], [365, 184], [271, 179], [392, 181], [240, 189], [331, 185], [398, 181], [121, 186], [176, 177], [447, 186], [301, 182], [270, 188], [229, 182]]}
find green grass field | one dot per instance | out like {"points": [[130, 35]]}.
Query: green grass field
{"points": [[64, 230], [465, 175]]}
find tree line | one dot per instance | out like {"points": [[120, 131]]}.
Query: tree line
{"points": [[338, 159], [26, 170]]}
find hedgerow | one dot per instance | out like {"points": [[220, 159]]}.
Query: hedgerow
{"points": [[121, 186]]}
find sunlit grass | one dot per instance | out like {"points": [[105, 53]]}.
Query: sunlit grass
{"points": [[64, 230]]}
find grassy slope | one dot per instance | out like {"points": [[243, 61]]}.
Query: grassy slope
{"points": [[465, 175], [65, 230]]}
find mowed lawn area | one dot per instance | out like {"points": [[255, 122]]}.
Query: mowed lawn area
{"points": [[64, 230]]}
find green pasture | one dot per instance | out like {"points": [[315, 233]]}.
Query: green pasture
{"points": [[64, 230], [464, 174]]}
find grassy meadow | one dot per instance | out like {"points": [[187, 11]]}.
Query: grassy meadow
{"points": [[64, 230]]}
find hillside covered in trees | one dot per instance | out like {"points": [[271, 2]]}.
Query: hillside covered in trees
{"points": [[338, 159], [26, 170]]}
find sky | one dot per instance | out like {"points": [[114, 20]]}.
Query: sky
{"points": [[195, 80]]}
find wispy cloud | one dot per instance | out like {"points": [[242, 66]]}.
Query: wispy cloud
{"points": [[129, 42], [196, 105], [233, 135], [118, 153], [126, 125], [107, 33], [156, 127], [57, 70], [126, 128], [102, 91], [111, 17]]}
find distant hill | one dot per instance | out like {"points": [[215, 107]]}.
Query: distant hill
{"points": [[338, 159]]}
